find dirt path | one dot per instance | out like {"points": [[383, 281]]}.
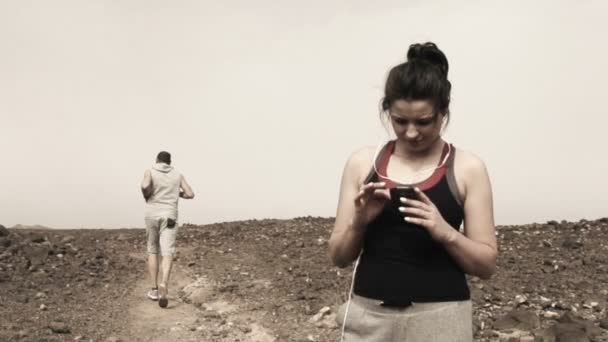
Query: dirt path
{"points": [[196, 312], [148, 322]]}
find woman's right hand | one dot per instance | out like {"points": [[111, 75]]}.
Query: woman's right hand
{"points": [[369, 203]]}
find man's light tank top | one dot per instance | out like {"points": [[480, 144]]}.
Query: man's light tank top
{"points": [[166, 184]]}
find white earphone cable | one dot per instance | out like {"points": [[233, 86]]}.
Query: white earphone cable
{"points": [[350, 295]]}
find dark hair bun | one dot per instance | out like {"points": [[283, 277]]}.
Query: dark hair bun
{"points": [[430, 53]]}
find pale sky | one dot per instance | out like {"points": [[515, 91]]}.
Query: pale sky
{"points": [[261, 103]]}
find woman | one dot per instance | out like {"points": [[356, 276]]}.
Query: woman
{"points": [[409, 282]]}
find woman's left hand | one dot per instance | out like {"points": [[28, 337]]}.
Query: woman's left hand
{"points": [[423, 212]]}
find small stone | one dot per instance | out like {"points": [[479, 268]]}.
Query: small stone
{"points": [[521, 299], [328, 322], [43, 307], [122, 237], [320, 314], [551, 314], [515, 335], [523, 320], [211, 314], [4, 242], [307, 309], [59, 328], [572, 244], [67, 239], [545, 302], [38, 239]]}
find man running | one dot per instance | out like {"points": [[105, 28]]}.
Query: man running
{"points": [[162, 187]]}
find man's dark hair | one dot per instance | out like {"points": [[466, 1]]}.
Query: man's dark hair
{"points": [[164, 157]]}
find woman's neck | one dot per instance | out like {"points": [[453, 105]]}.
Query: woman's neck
{"points": [[419, 157]]}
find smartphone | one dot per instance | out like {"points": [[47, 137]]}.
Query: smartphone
{"points": [[399, 191]]}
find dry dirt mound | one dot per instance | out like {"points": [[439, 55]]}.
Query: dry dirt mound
{"points": [[56, 285], [271, 280]]}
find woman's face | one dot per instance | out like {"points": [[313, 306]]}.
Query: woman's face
{"points": [[416, 124]]}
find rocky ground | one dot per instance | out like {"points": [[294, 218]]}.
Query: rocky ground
{"points": [[271, 280]]}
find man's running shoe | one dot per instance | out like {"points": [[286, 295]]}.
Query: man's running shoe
{"points": [[163, 301], [153, 294]]}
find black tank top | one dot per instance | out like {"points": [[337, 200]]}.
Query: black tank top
{"points": [[400, 261]]}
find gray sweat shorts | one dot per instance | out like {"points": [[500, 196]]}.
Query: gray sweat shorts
{"points": [[368, 321], [161, 234]]}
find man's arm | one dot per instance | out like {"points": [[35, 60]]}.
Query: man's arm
{"points": [[147, 188], [186, 190]]}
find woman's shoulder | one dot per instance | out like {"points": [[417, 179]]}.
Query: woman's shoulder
{"points": [[361, 161], [363, 155], [468, 164]]}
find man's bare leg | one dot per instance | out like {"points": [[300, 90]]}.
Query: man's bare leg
{"points": [[153, 269], [153, 264], [166, 265]]}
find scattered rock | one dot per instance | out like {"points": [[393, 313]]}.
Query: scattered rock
{"points": [[38, 239], [4, 242], [319, 315], [59, 328], [543, 271], [551, 314], [3, 231], [518, 319], [521, 299], [572, 244], [572, 329], [123, 237], [67, 239], [211, 314], [515, 335], [198, 292]]}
